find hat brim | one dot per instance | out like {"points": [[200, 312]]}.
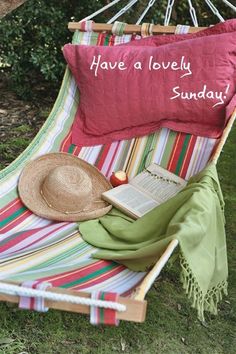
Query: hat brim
{"points": [[34, 173]]}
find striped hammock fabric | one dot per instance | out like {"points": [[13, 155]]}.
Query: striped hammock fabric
{"points": [[33, 249], [100, 315]]}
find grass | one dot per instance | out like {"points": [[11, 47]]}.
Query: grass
{"points": [[171, 325]]}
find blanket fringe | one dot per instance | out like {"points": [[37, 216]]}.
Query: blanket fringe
{"points": [[200, 301]]}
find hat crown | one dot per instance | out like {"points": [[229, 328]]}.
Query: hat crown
{"points": [[67, 188], [63, 187]]}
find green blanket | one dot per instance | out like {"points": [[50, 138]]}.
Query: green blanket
{"points": [[195, 217]]}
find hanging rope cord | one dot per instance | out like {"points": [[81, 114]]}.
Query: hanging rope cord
{"points": [[123, 11], [150, 4], [193, 13], [214, 10], [104, 8], [169, 9], [229, 5], [168, 13]]}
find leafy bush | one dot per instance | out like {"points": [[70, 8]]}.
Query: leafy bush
{"points": [[31, 41], [32, 36]]}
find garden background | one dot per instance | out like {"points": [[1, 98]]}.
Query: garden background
{"points": [[31, 69]]}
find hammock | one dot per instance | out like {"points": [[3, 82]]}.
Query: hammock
{"points": [[37, 254]]}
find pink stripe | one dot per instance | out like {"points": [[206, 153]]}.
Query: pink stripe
{"points": [[25, 302], [110, 156], [109, 315], [33, 303], [26, 235], [113, 159], [165, 142], [102, 278], [42, 238], [66, 142], [202, 151], [10, 208], [16, 222]]}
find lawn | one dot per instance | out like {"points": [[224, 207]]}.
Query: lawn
{"points": [[171, 325]]}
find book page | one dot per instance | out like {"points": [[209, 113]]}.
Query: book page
{"points": [[128, 198], [153, 186], [158, 183]]}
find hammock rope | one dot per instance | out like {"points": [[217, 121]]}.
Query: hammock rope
{"points": [[214, 10], [193, 14], [122, 11], [104, 8], [168, 13], [22, 291], [149, 5], [229, 5]]}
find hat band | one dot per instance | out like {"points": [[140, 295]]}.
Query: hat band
{"points": [[70, 212]]}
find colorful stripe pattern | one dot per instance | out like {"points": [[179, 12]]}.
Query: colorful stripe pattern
{"points": [[87, 26], [36, 249], [100, 315], [29, 303], [146, 29]]}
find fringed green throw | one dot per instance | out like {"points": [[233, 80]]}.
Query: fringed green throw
{"points": [[195, 217]]}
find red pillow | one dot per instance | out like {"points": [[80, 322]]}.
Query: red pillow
{"points": [[128, 91]]}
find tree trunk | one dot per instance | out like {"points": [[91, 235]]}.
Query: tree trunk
{"points": [[7, 6]]}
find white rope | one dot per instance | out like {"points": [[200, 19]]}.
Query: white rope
{"points": [[214, 10], [104, 8], [169, 9], [122, 11], [150, 4], [193, 13], [229, 4], [21, 291]]}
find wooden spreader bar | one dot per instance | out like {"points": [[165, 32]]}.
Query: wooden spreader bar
{"points": [[135, 309], [129, 29]]}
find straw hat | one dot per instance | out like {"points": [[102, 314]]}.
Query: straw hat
{"points": [[63, 187]]}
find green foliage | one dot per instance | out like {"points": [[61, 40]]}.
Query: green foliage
{"points": [[32, 36], [31, 41]]}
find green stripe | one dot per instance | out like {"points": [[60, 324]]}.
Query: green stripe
{"points": [[99, 155], [182, 154], [51, 273], [10, 238], [122, 158], [71, 148], [101, 309], [61, 236], [146, 153], [90, 276], [12, 216], [107, 38], [94, 38], [56, 259], [168, 149]]}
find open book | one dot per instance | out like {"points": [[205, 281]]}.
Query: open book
{"points": [[144, 192]]}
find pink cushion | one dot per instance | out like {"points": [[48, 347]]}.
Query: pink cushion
{"points": [[185, 86]]}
